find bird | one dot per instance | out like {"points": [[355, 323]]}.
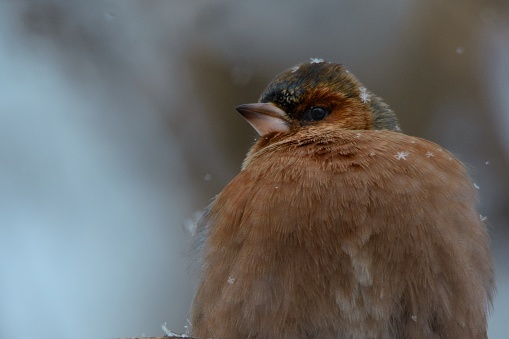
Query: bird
{"points": [[339, 225]]}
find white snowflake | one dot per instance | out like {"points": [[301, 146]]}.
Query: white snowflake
{"points": [[316, 60], [357, 135], [414, 318], [365, 96], [402, 155], [231, 280], [476, 186], [429, 154], [294, 69], [483, 218]]}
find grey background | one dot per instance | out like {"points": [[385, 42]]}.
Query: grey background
{"points": [[117, 126]]}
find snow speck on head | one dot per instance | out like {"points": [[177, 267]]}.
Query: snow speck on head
{"points": [[429, 154], [316, 60], [476, 186], [231, 280], [294, 69], [364, 95], [483, 218]]}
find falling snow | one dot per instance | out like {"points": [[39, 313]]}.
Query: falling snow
{"points": [[476, 186], [365, 97], [429, 154], [231, 280], [402, 155], [316, 60]]}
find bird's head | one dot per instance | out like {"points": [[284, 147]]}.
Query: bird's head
{"points": [[317, 93]]}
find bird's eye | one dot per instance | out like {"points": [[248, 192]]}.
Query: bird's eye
{"points": [[314, 114]]}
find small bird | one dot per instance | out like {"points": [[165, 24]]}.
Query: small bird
{"points": [[340, 226]]}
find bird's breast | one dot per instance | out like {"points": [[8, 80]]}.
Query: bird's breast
{"points": [[331, 225]]}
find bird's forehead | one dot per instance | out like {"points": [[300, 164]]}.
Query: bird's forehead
{"points": [[284, 93]]}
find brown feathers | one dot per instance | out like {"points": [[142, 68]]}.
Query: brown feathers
{"points": [[332, 232]]}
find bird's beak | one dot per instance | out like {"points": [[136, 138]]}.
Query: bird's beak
{"points": [[264, 117]]}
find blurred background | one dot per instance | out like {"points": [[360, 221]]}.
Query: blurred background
{"points": [[117, 126]]}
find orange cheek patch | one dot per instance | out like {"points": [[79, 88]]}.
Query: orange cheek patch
{"points": [[351, 115]]}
